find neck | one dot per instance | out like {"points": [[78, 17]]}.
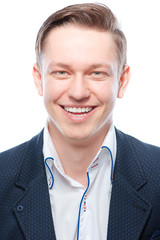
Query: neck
{"points": [[75, 156]]}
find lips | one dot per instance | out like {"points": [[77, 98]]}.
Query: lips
{"points": [[79, 111]]}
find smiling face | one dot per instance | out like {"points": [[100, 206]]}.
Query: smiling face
{"points": [[79, 82]]}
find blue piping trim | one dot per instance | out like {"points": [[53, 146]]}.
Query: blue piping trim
{"points": [[111, 177], [50, 170], [81, 206], [155, 234]]}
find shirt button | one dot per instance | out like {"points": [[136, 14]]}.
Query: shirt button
{"points": [[20, 208]]}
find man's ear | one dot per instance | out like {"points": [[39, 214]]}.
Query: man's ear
{"points": [[37, 79], [124, 80]]}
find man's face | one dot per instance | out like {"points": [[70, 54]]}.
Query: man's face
{"points": [[79, 81]]}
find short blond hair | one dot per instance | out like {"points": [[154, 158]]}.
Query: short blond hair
{"points": [[89, 15]]}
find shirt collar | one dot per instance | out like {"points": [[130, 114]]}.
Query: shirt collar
{"points": [[107, 151], [49, 150]]}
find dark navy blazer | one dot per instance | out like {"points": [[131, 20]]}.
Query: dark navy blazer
{"points": [[25, 211]]}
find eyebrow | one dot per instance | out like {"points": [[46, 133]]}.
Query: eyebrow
{"points": [[97, 65], [91, 66], [59, 64]]}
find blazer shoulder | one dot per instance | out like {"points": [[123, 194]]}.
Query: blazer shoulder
{"points": [[136, 142], [13, 157], [145, 147], [146, 153]]}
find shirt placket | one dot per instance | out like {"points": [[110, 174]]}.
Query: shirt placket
{"points": [[82, 225]]}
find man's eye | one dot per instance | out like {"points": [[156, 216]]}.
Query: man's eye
{"points": [[97, 73], [100, 75], [61, 73]]}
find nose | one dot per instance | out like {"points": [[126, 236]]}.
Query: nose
{"points": [[78, 89]]}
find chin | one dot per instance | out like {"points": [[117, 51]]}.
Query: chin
{"points": [[77, 137]]}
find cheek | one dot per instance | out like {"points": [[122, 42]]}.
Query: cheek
{"points": [[52, 90], [106, 92]]}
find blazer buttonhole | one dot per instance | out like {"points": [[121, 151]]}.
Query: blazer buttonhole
{"points": [[20, 208]]}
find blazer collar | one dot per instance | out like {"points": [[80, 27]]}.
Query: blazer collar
{"points": [[33, 209], [129, 211]]}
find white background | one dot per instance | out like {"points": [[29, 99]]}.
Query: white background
{"points": [[22, 114]]}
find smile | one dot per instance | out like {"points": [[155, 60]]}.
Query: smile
{"points": [[78, 111]]}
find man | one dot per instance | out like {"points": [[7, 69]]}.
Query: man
{"points": [[80, 178]]}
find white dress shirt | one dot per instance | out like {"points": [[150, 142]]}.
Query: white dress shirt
{"points": [[79, 213]]}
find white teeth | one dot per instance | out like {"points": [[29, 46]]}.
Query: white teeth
{"points": [[78, 110]]}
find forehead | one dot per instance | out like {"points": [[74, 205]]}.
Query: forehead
{"points": [[75, 43]]}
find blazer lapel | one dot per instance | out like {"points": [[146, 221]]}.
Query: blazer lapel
{"points": [[33, 209], [128, 210]]}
